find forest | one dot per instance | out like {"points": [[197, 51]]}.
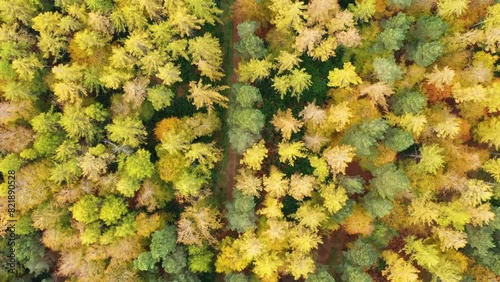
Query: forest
{"points": [[250, 140]]}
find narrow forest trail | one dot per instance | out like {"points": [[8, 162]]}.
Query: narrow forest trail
{"points": [[231, 59], [232, 155], [229, 165]]}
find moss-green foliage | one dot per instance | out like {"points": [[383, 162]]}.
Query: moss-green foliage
{"points": [[394, 33], [30, 252], [408, 102], [251, 47], [163, 242], [245, 126], [361, 254], [483, 243], [352, 185], [388, 181], [398, 140], [145, 262], [321, 275], [246, 95], [24, 225], [238, 277], [429, 28], [355, 273], [387, 70], [376, 205], [138, 165], [426, 53], [176, 262], [402, 4], [363, 137], [241, 212], [200, 258]]}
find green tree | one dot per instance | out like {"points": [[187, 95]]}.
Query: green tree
{"points": [[163, 243], [86, 210], [249, 45], [320, 275], [364, 136], [408, 102], [138, 165], [398, 140], [395, 31], [376, 205], [361, 254], [387, 70], [236, 277], [176, 262], [241, 212], [389, 181], [145, 262], [126, 131], [200, 258], [401, 4], [429, 28], [247, 95], [244, 127], [426, 53], [112, 209], [30, 253]]}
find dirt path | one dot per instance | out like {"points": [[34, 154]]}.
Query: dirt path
{"points": [[232, 156]]}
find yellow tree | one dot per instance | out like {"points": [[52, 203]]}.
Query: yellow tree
{"points": [[301, 186], [338, 116], [276, 183], [377, 93], [398, 269], [334, 198], [206, 95], [290, 151], [344, 77], [288, 14], [248, 183], [254, 69], [338, 157], [254, 156], [313, 114], [206, 53], [286, 123], [310, 215], [197, 224]]}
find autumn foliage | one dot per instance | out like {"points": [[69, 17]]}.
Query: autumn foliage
{"points": [[250, 140]]}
